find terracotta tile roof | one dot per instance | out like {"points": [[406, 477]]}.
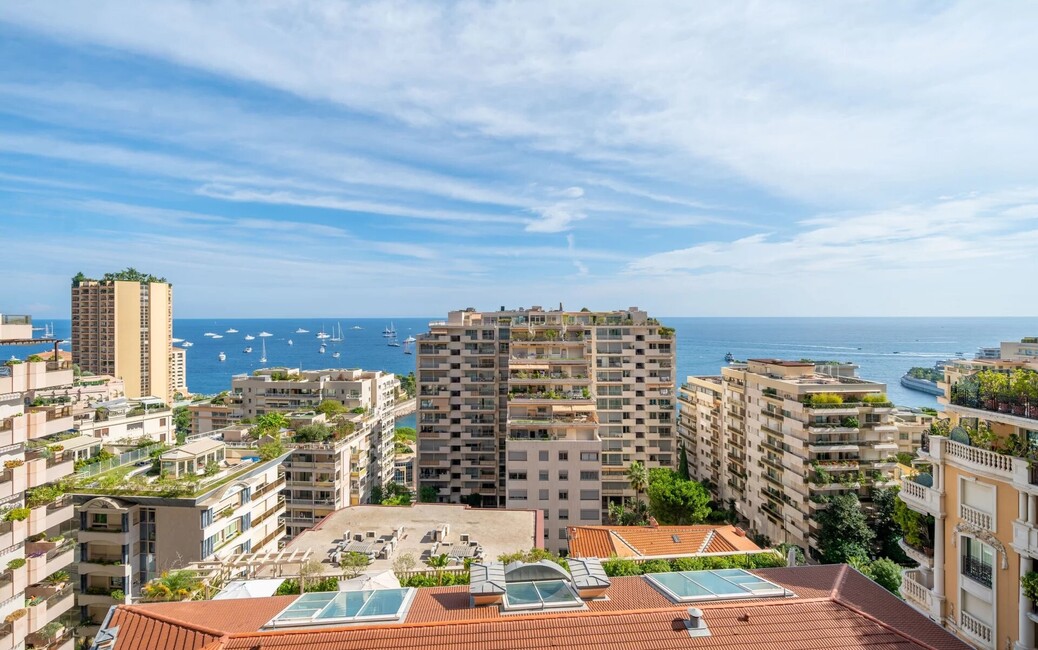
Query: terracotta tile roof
{"points": [[647, 541], [833, 607]]}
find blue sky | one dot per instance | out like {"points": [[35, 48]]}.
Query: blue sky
{"points": [[319, 159]]}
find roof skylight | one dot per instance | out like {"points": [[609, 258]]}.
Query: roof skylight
{"points": [[541, 594], [720, 584], [325, 608]]}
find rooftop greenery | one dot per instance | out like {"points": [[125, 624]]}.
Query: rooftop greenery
{"points": [[129, 274]]}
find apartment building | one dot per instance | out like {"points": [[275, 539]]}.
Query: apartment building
{"points": [[979, 483], [208, 502], [773, 439], [122, 325], [322, 477], [36, 548], [220, 413], [122, 419], [178, 370], [532, 408]]}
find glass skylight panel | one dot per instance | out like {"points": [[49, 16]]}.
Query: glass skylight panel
{"points": [[542, 594], [721, 584], [325, 608]]}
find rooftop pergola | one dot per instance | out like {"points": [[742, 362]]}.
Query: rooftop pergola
{"points": [[271, 563]]}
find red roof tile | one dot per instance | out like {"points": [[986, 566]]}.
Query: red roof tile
{"points": [[648, 541], [833, 607]]}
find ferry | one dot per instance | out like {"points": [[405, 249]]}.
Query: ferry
{"points": [[922, 385]]}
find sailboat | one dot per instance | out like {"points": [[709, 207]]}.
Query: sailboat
{"points": [[408, 342], [392, 342], [222, 356], [249, 337], [263, 358], [337, 336], [290, 341], [389, 331], [322, 349]]}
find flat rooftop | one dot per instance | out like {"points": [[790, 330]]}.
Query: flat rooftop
{"points": [[497, 531], [831, 606]]}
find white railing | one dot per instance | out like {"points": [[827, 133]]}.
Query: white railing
{"points": [[916, 591], [921, 498], [976, 517], [977, 628], [980, 458]]}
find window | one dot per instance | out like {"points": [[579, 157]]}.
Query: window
{"points": [[563, 455], [563, 474], [517, 476], [517, 456], [589, 515], [563, 514], [542, 495], [100, 519], [517, 495], [589, 476], [564, 495], [589, 455], [542, 455], [977, 561], [562, 533], [589, 495], [543, 475]]}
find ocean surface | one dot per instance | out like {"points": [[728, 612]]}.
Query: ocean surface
{"points": [[884, 348]]}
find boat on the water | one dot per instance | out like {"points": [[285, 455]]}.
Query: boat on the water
{"points": [[217, 336], [247, 350], [186, 344], [231, 331], [322, 349], [222, 356], [336, 336], [177, 340], [408, 342], [265, 334], [357, 327], [249, 337], [209, 334], [302, 331], [729, 357], [290, 341], [389, 332], [335, 355]]}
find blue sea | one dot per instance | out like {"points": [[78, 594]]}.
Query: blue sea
{"points": [[884, 348]]}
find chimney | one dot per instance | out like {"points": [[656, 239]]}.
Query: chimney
{"points": [[791, 556], [695, 625], [653, 523]]}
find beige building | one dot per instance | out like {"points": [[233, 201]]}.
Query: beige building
{"points": [[773, 439], [322, 477], [211, 502], [178, 370], [981, 488], [36, 600], [215, 415], [122, 420], [508, 400], [124, 328]]}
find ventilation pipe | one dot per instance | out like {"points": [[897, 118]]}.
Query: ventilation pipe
{"points": [[695, 625]]}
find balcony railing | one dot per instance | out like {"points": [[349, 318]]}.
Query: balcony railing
{"points": [[976, 517], [976, 627], [977, 570]]}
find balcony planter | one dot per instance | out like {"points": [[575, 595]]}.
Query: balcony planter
{"points": [[1029, 585]]}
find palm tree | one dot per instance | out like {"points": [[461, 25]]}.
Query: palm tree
{"points": [[638, 476], [172, 585]]}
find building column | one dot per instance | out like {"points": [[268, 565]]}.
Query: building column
{"points": [[938, 557], [1025, 633], [1021, 509], [1032, 511]]}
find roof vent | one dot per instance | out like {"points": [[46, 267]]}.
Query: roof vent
{"points": [[695, 625], [677, 540]]}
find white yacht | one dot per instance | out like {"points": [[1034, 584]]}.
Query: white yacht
{"points": [[231, 331], [249, 337], [357, 327], [322, 349], [186, 344], [176, 340], [210, 334], [335, 355], [217, 336], [265, 334], [247, 350], [302, 331], [337, 336], [222, 356], [290, 341]]}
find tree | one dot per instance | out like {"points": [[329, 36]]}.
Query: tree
{"points": [[172, 585], [316, 432], [673, 501], [270, 423], [353, 564], [182, 423], [683, 463], [638, 477], [884, 572], [629, 514], [404, 434], [376, 494], [428, 494], [407, 384], [404, 562], [845, 533], [888, 531], [271, 450], [308, 569], [331, 407]]}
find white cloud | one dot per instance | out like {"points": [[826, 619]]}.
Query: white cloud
{"points": [[554, 218]]}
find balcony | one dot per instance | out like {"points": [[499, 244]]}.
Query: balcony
{"points": [[50, 608], [13, 583], [974, 459], [976, 628], [12, 532], [917, 590], [13, 430], [46, 517], [48, 420], [977, 570], [921, 498], [976, 517], [12, 481], [42, 470], [1025, 538], [44, 558], [922, 556]]}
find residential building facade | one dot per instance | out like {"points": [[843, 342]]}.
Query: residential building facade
{"points": [[124, 328], [979, 485], [178, 370], [507, 398], [774, 439], [36, 545], [130, 532]]}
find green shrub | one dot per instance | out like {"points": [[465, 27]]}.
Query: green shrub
{"points": [[875, 398], [1029, 583], [118, 594], [16, 563], [616, 566], [655, 566], [825, 398], [17, 514]]}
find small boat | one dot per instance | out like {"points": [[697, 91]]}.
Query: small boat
{"points": [[231, 331], [249, 337], [322, 349], [222, 356], [247, 350], [729, 357], [186, 344], [209, 334], [323, 335], [265, 334], [290, 341], [408, 342], [389, 331], [263, 357], [177, 340], [217, 336], [357, 327], [393, 343], [337, 336], [335, 355], [302, 331]]}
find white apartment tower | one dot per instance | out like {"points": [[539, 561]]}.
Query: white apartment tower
{"points": [[547, 410]]}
